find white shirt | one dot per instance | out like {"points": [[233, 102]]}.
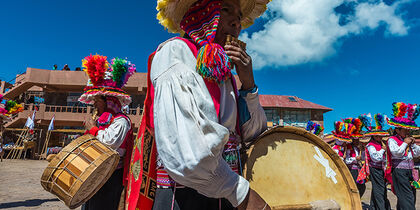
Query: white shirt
{"points": [[399, 151], [375, 155], [190, 137], [351, 160], [114, 135]]}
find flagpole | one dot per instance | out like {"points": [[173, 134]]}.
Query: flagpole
{"points": [[22, 145], [47, 139], [45, 146]]}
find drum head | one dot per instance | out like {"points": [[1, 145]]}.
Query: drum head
{"points": [[290, 166]]}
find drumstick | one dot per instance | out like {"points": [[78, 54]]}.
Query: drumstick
{"points": [[94, 114]]}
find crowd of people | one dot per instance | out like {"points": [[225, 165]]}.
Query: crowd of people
{"points": [[381, 157]]}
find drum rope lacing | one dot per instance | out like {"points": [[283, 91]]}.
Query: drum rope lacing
{"points": [[65, 167]]}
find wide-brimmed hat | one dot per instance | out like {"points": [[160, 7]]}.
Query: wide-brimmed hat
{"points": [[171, 12], [343, 131], [106, 79], [378, 129], [400, 119]]}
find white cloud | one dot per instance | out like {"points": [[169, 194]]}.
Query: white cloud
{"points": [[302, 31]]}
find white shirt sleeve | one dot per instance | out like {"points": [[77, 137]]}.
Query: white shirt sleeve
{"points": [[114, 135], [189, 139], [376, 156], [351, 160], [416, 150], [258, 121], [396, 151]]}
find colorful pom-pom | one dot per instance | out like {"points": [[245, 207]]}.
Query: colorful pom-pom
{"points": [[95, 66]]}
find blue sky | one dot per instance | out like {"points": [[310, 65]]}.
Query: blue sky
{"points": [[354, 72]]}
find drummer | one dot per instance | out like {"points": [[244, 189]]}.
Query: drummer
{"points": [[376, 158], [342, 137], [112, 128], [349, 133], [402, 149], [197, 111]]}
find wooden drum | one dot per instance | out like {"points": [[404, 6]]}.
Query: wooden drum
{"points": [[79, 170], [292, 168]]}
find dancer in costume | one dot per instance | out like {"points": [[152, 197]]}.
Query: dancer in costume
{"points": [[402, 150], [354, 152], [376, 160], [342, 137], [112, 128], [195, 113]]}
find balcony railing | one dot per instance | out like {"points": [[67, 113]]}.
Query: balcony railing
{"points": [[72, 109]]}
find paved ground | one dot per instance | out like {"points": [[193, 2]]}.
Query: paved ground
{"points": [[20, 187]]}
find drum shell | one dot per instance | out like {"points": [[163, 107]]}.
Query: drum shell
{"points": [[281, 166], [76, 173]]}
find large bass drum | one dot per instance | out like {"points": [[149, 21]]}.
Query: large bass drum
{"points": [[79, 170], [292, 168]]}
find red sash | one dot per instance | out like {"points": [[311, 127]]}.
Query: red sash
{"points": [[142, 185]]}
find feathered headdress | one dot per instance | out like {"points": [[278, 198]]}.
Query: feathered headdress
{"points": [[106, 79], [357, 123], [314, 127], [379, 125], [399, 110], [343, 131]]}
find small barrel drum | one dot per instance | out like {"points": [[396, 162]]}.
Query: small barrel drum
{"points": [[76, 173], [292, 168]]}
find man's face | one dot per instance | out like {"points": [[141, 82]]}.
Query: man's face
{"points": [[230, 21], [100, 104], [402, 132], [377, 138]]}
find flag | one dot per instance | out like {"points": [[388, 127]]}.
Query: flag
{"points": [[51, 126], [29, 123]]}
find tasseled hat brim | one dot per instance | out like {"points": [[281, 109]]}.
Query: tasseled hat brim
{"points": [[344, 138], [88, 96], [400, 124]]}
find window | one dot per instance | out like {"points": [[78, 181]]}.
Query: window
{"points": [[292, 99], [297, 118], [273, 116]]}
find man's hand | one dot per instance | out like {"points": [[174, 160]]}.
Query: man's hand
{"points": [[253, 201], [243, 63], [408, 140], [384, 146], [89, 123]]}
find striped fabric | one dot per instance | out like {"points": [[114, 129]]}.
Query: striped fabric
{"points": [[230, 154], [201, 21]]}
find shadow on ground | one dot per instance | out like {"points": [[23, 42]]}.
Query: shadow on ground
{"points": [[27, 203]]}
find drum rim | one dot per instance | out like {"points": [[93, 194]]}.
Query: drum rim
{"points": [[341, 166]]}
